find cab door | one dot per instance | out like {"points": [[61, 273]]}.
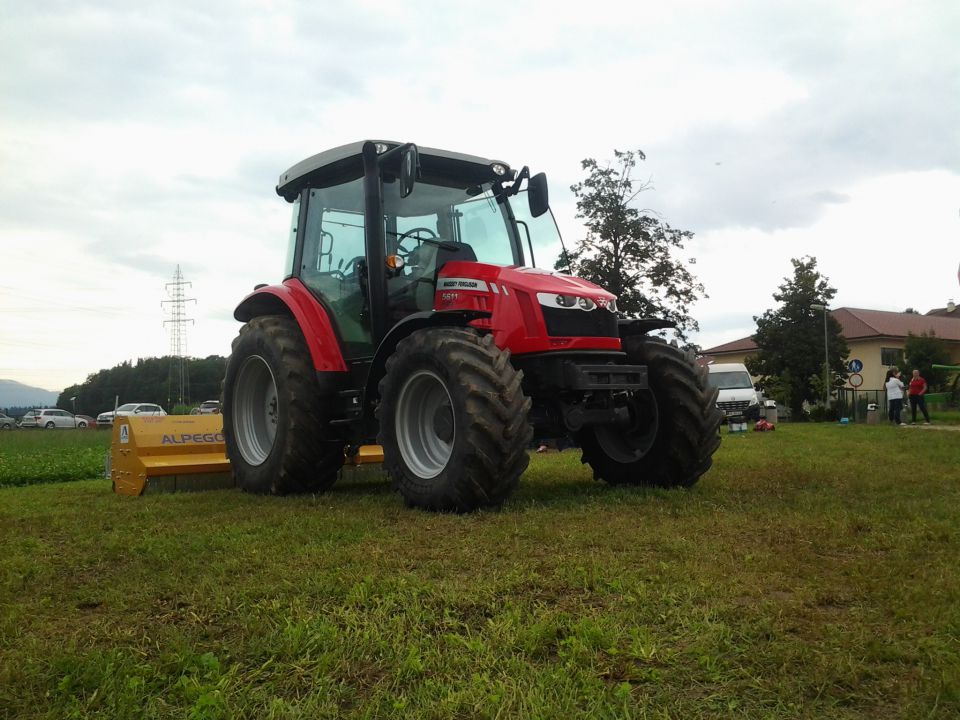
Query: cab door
{"points": [[332, 262]]}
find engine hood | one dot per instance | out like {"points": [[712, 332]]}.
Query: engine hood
{"points": [[533, 280], [531, 310]]}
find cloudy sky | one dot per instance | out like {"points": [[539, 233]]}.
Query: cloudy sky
{"points": [[133, 140]]}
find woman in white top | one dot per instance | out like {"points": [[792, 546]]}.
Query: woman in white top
{"points": [[894, 396]]}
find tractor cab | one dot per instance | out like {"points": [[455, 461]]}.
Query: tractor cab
{"points": [[374, 224]]}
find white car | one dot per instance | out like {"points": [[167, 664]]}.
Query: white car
{"points": [[738, 398], [7, 422], [49, 419], [106, 418], [210, 407]]}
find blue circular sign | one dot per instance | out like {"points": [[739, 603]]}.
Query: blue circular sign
{"points": [[855, 366]]}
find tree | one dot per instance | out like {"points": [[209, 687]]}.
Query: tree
{"points": [[149, 380], [790, 338], [628, 251], [922, 352]]}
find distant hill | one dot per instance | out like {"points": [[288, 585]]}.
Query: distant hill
{"points": [[15, 394]]}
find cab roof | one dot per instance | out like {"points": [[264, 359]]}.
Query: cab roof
{"points": [[345, 162]]}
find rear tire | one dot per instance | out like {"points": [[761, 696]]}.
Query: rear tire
{"points": [[272, 412], [675, 424], [50, 426], [453, 420]]}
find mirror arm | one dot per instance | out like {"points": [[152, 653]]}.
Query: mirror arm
{"points": [[390, 155], [524, 174]]}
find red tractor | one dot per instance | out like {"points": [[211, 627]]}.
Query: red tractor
{"points": [[412, 314]]}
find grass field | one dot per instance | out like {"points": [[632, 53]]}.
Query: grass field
{"points": [[28, 457], [812, 573]]}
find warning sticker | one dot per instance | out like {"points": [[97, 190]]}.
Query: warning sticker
{"points": [[124, 433]]}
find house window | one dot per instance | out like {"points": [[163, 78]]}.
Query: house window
{"points": [[891, 356]]}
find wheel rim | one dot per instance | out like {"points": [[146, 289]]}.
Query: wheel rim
{"points": [[255, 410], [629, 444], [425, 424]]}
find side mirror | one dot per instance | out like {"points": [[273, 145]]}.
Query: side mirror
{"points": [[409, 163], [537, 194]]}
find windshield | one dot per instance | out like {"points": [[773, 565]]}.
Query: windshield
{"points": [[539, 236], [730, 380], [469, 218]]}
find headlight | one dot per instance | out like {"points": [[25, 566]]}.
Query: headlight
{"points": [[612, 305], [585, 303], [566, 300]]}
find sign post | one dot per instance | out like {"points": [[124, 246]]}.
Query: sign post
{"points": [[855, 380]]}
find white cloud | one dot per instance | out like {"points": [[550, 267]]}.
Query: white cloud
{"points": [[137, 138]]}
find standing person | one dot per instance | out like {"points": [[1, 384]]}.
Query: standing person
{"points": [[918, 388], [894, 396]]}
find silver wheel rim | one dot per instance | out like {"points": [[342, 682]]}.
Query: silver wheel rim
{"points": [[255, 410], [424, 423]]}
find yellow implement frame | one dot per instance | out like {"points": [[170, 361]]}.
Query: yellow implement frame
{"points": [[174, 453]]}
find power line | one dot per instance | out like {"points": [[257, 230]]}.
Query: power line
{"points": [[177, 322]]}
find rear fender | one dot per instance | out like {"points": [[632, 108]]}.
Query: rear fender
{"points": [[293, 299]]}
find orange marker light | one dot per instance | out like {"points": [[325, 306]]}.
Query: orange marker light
{"points": [[395, 262]]}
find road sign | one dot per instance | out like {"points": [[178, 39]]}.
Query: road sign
{"points": [[856, 380], [855, 366]]}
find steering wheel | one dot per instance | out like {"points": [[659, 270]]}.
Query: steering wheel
{"points": [[350, 270], [404, 253]]}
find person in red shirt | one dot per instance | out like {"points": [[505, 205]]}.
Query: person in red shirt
{"points": [[918, 388]]}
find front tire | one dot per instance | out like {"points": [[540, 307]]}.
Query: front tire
{"points": [[453, 420], [674, 425], [272, 412]]}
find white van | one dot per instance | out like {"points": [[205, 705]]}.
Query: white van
{"points": [[738, 398]]}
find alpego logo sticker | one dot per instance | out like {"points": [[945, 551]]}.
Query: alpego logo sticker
{"points": [[125, 434], [185, 438]]}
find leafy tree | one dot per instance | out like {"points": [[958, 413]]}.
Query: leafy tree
{"points": [[628, 251], [790, 338], [922, 352], [149, 380]]}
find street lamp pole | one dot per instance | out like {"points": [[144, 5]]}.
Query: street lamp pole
{"points": [[826, 356]]}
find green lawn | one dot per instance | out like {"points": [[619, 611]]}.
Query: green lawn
{"points": [[812, 573], [37, 456]]}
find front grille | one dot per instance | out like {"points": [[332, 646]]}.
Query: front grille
{"points": [[564, 322], [733, 406]]}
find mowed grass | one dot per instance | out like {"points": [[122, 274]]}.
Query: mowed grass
{"points": [[32, 456], [812, 573]]}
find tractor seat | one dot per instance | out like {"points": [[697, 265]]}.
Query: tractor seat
{"points": [[414, 292]]}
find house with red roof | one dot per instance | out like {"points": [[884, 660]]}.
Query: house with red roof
{"points": [[875, 337]]}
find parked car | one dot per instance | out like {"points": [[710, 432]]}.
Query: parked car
{"points": [[738, 398], [210, 407], [48, 418], [7, 422], [85, 421], [105, 419]]}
